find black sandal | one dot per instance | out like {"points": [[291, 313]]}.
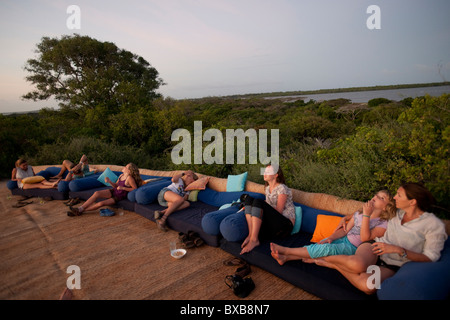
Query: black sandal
{"points": [[74, 212], [186, 242], [194, 236]]}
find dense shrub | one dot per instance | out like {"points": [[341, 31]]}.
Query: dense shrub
{"points": [[334, 147]]}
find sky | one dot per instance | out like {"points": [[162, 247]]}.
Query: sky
{"points": [[224, 47]]}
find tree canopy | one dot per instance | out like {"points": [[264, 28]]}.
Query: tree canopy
{"points": [[86, 74]]}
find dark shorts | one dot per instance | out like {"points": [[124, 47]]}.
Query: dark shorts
{"points": [[391, 267], [117, 196]]}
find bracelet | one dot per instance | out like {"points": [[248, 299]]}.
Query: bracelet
{"points": [[365, 215]]}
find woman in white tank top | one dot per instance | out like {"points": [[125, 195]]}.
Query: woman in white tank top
{"points": [[22, 171]]}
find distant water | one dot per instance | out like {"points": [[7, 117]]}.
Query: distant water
{"points": [[365, 96]]}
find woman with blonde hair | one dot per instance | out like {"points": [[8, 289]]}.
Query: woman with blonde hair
{"points": [[364, 225], [22, 170], [129, 180], [413, 234]]}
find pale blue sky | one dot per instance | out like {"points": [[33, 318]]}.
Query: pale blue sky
{"points": [[223, 47]]}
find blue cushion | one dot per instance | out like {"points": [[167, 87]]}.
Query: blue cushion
{"points": [[11, 185], [218, 199], [211, 221], [85, 184], [107, 173], [234, 227], [149, 192], [63, 186], [419, 280], [236, 182], [298, 220], [132, 195]]}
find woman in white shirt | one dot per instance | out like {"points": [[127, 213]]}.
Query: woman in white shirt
{"points": [[412, 235], [22, 170]]}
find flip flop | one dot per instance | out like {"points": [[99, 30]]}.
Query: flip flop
{"points": [[21, 203], [233, 261]]}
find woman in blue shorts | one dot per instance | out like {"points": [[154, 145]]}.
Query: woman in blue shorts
{"points": [[361, 227]]}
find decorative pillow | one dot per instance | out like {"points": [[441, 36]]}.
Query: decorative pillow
{"points": [[193, 195], [236, 182], [298, 220], [325, 227], [199, 184], [33, 179], [107, 173]]}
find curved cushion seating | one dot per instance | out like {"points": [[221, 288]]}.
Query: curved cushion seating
{"points": [[428, 280], [420, 280], [55, 194]]}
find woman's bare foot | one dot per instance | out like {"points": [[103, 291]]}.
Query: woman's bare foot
{"points": [[277, 248], [247, 240], [56, 183], [308, 260], [324, 263], [250, 246], [281, 258]]}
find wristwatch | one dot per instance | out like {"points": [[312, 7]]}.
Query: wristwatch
{"points": [[404, 255]]}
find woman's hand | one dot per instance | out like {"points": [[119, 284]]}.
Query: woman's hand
{"points": [[379, 248], [326, 240]]}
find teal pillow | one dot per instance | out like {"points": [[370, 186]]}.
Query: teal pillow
{"points": [[298, 220], [107, 173], [237, 182]]}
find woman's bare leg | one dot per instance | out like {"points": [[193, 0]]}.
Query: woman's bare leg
{"points": [[66, 166], [253, 237], [284, 254], [106, 193]]}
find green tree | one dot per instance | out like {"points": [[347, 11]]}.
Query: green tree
{"points": [[85, 74]]}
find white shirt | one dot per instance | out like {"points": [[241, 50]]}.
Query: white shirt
{"points": [[178, 187], [425, 234], [21, 174]]}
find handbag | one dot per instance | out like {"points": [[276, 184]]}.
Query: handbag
{"points": [[241, 286]]}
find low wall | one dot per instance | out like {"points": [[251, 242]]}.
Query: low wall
{"points": [[314, 200]]}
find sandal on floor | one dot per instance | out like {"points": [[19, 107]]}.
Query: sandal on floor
{"points": [[243, 271], [72, 202], [196, 238], [74, 212], [186, 242], [21, 204], [233, 261]]}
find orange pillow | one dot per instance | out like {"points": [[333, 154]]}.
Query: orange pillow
{"points": [[325, 227], [199, 184]]}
